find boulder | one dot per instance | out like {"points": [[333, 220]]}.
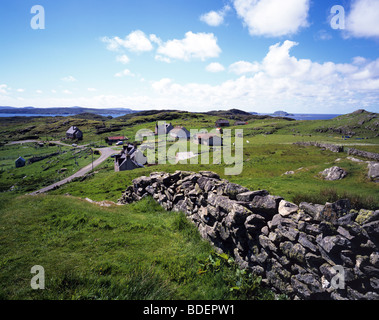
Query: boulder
{"points": [[333, 173], [373, 171]]}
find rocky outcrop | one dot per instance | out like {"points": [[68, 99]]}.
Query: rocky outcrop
{"points": [[373, 171], [296, 250], [364, 154], [333, 174], [326, 146]]}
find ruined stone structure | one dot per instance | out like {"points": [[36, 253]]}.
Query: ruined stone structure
{"points": [[293, 248]]}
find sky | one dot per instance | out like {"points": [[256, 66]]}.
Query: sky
{"points": [[301, 56]]}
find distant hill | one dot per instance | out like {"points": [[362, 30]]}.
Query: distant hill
{"points": [[282, 114], [63, 111]]}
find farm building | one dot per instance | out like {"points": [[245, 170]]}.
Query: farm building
{"points": [[180, 133], [208, 139], [163, 128], [111, 140], [20, 162], [74, 133], [130, 158], [222, 123]]}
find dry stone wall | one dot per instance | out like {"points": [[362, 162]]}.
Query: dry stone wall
{"points": [[296, 250]]}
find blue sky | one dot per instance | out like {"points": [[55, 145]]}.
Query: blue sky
{"points": [[255, 55]]}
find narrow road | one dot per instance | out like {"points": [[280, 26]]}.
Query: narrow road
{"points": [[105, 154]]}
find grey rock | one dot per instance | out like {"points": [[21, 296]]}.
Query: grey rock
{"points": [[266, 205], [313, 210], [267, 243], [307, 241], [372, 228], [373, 171], [374, 259], [333, 173], [287, 208], [333, 243], [249, 195], [232, 190]]}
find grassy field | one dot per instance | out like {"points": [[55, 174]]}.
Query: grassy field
{"points": [[140, 251], [137, 251], [42, 173]]}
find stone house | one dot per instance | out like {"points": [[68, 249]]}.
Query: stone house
{"points": [[130, 158], [208, 139], [180, 133], [20, 162], [74, 133]]}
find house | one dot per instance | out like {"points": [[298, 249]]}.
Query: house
{"points": [[208, 139], [180, 133], [222, 123], [74, 133], [20, 162], [240, 123], [130, 158], [163, 128], [111, 140]]}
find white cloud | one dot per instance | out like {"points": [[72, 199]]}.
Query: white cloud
{"points": [[69, 79], [194, 46], [124, 73], [91, 89], [282, 80], [161, 58], [20, 90], [215, 67], [153, 38], [124, 59], [362, 21], [136, 41], [4, 88], [273, 18], [67, 92], [39, 91], [243, 67], [215, 18]]}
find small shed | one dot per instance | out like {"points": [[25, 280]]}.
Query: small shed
{"points": [[74, 133], [20, 162], [180, 133], [222, 123]]}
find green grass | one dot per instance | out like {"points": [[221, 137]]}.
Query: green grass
{"points": [[264, 168], [42, 173], [137, 251], [140, 251]]}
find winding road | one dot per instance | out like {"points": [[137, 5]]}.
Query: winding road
{"points": [[105, 154]]}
